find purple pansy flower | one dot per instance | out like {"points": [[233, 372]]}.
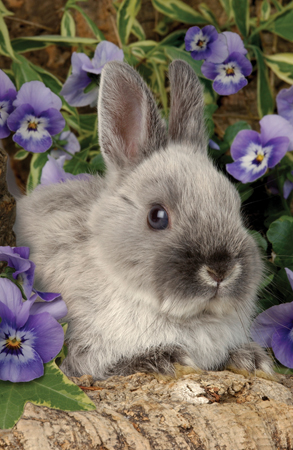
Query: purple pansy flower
{"points": [[53, 172], [229, 76], [253, 153], [285, 104], [72, 145], [27, 340], [18, 258], [213, 145], [206, 43], [7, 96], [86, 71], [274, 328], [36, 118]]}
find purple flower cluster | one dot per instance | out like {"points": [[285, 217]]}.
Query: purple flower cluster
{"points": [[254, 153], [274, 328], [29, 332], [224, 54], [82, 86], [7, 97]]}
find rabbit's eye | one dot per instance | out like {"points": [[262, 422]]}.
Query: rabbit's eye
{"points": [[158, 218]]}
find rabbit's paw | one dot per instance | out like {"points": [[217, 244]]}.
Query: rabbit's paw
{"points": [[158, 360], [251, 358]]}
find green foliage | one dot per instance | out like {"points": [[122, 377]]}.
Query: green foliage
{"points": [[280, 235], [126, 14], [53, 390], [265, 99], [241, 14], [180, 11]]}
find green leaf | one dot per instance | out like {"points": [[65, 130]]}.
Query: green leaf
{"points": [[177, 53], [53, 390], [78, 164], [98, 164], [241, 14], [282, 65], [178, 11], [226, 4], [245, 191], [37, 163], [282, 24], [5, 44], [126, 14], [280, 235], [234, 129], [137, 30], [23, 71], [99, 35], [22, 45], [265, 98], [20, 155], [48, 39], [265, 10], [209, 15], [259, 239], [67, 26], [162, 27], [4, 11], [88, 122], [160, 75]]}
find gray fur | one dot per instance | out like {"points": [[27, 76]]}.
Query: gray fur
{"points": [[140, 299]]}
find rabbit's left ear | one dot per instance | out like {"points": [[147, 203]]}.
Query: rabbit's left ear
{"points": [[130, 125], [186, 122]]}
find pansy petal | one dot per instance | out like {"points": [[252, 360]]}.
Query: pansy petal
{"points": [[243, 140], [273, 126], [219, 50], [47, 296], [26, 279], [11, 296], [105, 51], [24, 313], [266, 323], [213, 145], [245, 171], [15, 119], [49, 335], [243, 63], [190, 36], [290, 276], [282, 345], [5, 84], [234, 43], [57, 308], [210, 70], [21, 368], [14, 259], [278, 149], [287, 188], [53, 171], [228, 87], [4, 130], [23, 252], [33, 143], [36, 94], [56, 121], [6, 314], [284, 101]]}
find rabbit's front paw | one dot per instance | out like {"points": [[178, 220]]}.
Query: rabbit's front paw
{"points": [[160, 360], [250, 357]]}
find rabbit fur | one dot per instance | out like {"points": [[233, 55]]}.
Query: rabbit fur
{"points": [[141, 299]]}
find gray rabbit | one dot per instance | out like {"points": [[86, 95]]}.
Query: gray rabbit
{"points": [[153, 260]]}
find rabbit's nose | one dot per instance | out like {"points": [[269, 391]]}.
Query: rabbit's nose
{"points": [[215, 276]]}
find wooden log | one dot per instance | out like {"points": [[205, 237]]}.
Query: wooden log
{"points": [[211, 410]]}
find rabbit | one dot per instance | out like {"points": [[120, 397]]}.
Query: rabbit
{"points": [[153, 259]]}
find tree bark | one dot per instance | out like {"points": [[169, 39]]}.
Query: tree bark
{"points": [[211, 410]]}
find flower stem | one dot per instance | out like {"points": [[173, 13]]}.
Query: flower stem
{"points": [[68, 153]]}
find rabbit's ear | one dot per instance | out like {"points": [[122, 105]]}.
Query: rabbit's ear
{"points": [[186, 122], [130, 126]]}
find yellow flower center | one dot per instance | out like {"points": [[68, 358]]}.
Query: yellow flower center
{"points": [[13, 344], [260, 157], [200, 43], [230, 71], [32, 126]]}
